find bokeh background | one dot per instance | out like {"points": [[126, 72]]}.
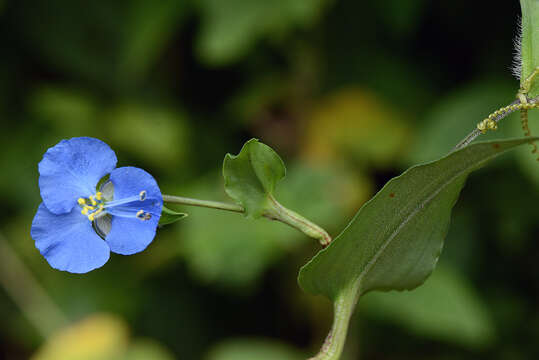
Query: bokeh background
{"points": [[350, 93]]}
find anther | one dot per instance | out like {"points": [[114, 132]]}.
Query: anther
{"points": [[94, 203], [482, 126], [143, 215], [142, 195], [491, 124], [81, 201], [99, 195]]}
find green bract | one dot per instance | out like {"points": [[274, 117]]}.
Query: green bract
{"points": [[169, 216], [250, 179], [251, 176], [395, 239]]}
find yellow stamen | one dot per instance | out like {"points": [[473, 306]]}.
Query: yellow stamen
{"points": [[92, 216], [94, 203], [97, 206]]}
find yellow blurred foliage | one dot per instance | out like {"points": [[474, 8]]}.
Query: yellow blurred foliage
{"points": [[355, 123], [350, 188], [97, 337], [147, 349]]}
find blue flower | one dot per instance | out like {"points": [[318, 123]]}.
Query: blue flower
{"points": [[77, 225]]}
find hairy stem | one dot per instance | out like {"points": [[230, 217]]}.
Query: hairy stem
{"points": [[529, 47], [476, 132]]}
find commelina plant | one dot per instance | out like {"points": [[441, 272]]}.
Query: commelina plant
{"points": [[91, 208]]}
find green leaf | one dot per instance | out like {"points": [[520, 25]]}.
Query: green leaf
{"points": [[395, 239], [170, 216], [251, 176]]}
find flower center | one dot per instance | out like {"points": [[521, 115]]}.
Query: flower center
{"points": [[96, 206], [92, 206]]}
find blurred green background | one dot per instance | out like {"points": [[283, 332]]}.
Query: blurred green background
{"points": [[350, 93]]}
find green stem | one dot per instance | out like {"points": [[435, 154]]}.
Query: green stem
{"points": [[276, 212], [289, 217], [343, 308], [203, 203]]}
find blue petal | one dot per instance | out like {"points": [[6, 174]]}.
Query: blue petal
{"points": [[68, 241], [72, 169], [131, 235]]}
